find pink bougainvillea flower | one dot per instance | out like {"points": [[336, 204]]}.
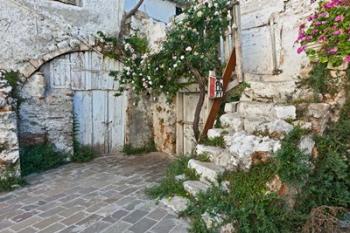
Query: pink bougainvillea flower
{"points": [[308, 38], [347, 59], [338, 32], [301, 49], [332, 4], [333, 50], [301, 35], [324, 15], [339, 18], [318, 23], [315, 31], [322, 38]]}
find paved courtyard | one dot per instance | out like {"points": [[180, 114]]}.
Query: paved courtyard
{"points": [[106, 195]]}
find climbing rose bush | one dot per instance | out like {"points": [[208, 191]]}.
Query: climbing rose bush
{"points": [[328, 26], [190, 50]]}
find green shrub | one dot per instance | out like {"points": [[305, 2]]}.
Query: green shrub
{"points": [[246, 202], [169, 186], [131, 150], [9, 181], [40, 158], [83, 154], [293, 165], [329, 183], [217, 141]]}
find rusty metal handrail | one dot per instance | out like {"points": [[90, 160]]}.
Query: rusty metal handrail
{"points": [[232, 39]]}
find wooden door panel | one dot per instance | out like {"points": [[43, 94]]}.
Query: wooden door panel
{"points": [[83, 116], [116, 118], [77, 73], [99, 113], [99, 120]]}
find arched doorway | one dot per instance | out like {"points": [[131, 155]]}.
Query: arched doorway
{"points": [[84, 78]]}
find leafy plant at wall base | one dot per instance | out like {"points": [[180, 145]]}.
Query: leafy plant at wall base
{"points": [[247, 204], [83, 154], [217, 141], [9, 180], [169, 186], [39, 158], [147, 148], [293, 165], [320, 80], [329, 183]]}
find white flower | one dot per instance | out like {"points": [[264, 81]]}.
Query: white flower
{"points": [[189, 49], [182, 37], [196, 53], [175, 65], [182, 57], [174, 57], [134, 57], [128, 73], [161, 86], [199, 14], [216, 13], [216, 5]]}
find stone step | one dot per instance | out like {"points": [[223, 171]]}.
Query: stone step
{"points": [[247, 148], [267, 111], [208, 171], [231, 107], [233, 121], [226, 160], [211, 151], [277, 92], [215, 133], [194, 187], [176, 203], [274, 127]]}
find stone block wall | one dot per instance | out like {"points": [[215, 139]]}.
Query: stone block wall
{"points": [[9, 148], [46, 116]]}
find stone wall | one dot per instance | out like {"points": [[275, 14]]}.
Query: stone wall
{"points": [[9, 149], [269, 30], [46, 116], [46, 30], [150, 118]]}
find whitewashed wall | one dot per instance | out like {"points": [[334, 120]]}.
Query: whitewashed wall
{"points": [[265, 21], [33, 32], [29, 29]]}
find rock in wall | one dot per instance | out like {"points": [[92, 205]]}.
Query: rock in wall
{"points": [[9, 150], [46, 116]]}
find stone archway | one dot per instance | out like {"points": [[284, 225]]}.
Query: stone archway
{"points": [[73, 84]]}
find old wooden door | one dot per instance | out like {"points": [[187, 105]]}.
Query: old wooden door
{"points": [[98, 113], [185, 108]]}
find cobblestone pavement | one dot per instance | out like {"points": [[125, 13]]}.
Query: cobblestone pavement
{"points": [[106, 195]]}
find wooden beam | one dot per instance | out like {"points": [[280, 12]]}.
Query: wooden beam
{"points": [[215, 109]]}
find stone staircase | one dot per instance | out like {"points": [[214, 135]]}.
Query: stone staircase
{"points": [[252, 129]]}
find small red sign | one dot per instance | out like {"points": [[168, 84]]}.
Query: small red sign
{"points": [[215, 87]]}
